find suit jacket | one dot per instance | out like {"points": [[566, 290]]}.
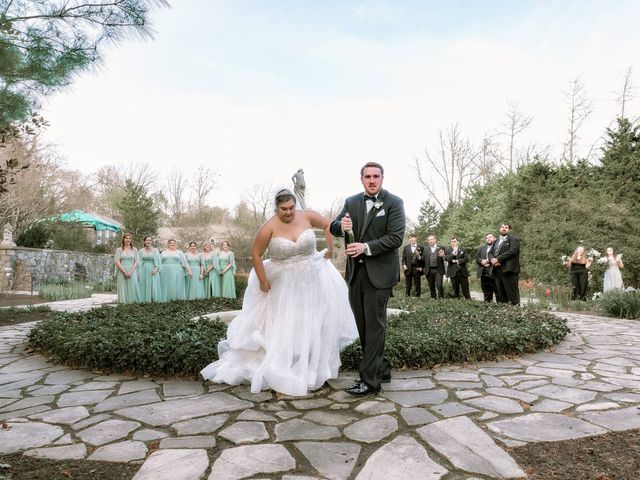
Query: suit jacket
{"points": [[439, 260], [508, 254], [413, 261], [481, 254], [382, 229], [461, 266]]}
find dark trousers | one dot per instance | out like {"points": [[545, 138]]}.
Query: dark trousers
{"points": [[579, 281], [460, 281], [435, 282], [507, 290], [488, 286], [413, 277], [369, 306]]}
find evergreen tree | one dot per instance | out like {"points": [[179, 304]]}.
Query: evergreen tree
{"points": [[139, 214]]}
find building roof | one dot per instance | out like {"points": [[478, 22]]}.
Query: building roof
{"points": [[90, 220]]}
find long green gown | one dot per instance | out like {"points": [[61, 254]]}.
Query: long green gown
{"points": [[172, 271], [227, 282], [195, 284], [148, 281], [212, 278], [127, 288]]}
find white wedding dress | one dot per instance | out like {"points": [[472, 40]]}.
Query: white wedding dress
{"points": [[290, 338], [612, 275]]}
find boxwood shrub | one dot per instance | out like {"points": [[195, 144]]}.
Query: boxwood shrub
{"points": [[160, 339]]}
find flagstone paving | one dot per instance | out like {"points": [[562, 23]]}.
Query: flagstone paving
{"points": [[454, 422]]}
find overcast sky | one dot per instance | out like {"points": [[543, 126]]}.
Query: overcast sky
{"points": [[257, 89]]}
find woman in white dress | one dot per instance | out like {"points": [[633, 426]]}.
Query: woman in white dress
{"points": [[612, 275], [295, 315]]}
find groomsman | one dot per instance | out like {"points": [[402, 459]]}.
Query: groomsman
{"points": [[457, 270], [506, 266], [485, 269], [434, 266], [413, 264]]}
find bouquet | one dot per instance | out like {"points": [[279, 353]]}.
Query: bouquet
{"points": [[602, 260], [593, 253], [565, 258], [619, 257]]}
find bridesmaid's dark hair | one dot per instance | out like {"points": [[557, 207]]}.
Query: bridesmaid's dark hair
{"points": [[284, 195], [193, 243]]}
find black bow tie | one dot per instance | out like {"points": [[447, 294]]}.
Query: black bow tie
{"points": [[369, 197]]}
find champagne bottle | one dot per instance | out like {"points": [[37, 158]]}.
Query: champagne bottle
{"points": [[349, 237]]}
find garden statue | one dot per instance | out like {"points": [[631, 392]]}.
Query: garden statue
{"points": [[299, 187], [7, 237]]}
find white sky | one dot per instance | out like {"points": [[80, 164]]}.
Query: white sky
{"points": [[257, 89]]}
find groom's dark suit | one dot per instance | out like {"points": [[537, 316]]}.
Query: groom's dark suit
{"points": [[371, 277]]}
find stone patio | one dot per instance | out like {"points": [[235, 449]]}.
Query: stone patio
{"points": [[453, 422]]}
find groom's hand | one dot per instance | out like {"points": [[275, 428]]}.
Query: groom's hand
{"points": [[345, 223], [355, 249]]}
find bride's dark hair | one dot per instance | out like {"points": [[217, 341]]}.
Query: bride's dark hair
{"points": [[284, 195]]}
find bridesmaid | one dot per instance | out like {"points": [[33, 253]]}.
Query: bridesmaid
{"points": [[149, 273], [227, 270], [126, 261], [173, 268], [195, 278], [211, 271]]}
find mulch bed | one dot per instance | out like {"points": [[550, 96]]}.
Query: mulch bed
{"points": [[612, 456], [14, 318], [20, 467], [12, 300]]}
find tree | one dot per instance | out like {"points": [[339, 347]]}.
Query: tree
{"points": [[203, 184], [138, 212], [580, 107], [626, 92], [45, 43], [176, 188], [455, 167], [515, 123], [428, 220]]}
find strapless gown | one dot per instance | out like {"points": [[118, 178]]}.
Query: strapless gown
{"points": [[290, 338]]}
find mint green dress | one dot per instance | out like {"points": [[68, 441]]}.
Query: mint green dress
{"points": [[212, 278], [227, 281], [195, 284], [173, 268], [127, 288], [149, 275]]}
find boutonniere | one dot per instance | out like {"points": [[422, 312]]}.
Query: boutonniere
{"points": [[377, 204]]}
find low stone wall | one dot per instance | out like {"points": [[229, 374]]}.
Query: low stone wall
{"points": [[23, 268]]}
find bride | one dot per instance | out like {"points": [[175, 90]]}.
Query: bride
{"points": [[295, 315]]}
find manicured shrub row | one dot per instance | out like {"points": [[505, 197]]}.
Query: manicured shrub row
{"points": [[154, 338], [160, 339], [620, 304], [448, 331]]}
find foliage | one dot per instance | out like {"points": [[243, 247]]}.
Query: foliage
{"points": [[44, 44], [107, 286], [620, 304], [448, 331], [154, 338], [139, 214], [58, 235], [53, 292], [554, 208]]}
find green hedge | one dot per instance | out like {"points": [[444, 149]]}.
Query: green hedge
{"points": [[451, 331], [154, 338], [620, 304], [160, 339]]}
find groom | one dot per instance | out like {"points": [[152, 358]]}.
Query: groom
{"points": [[376, 218]]}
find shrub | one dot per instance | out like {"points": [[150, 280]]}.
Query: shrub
{"points": [[54, 292], [154, 338], [106, 286], [620, 304], [463, 331], [160, 339]]}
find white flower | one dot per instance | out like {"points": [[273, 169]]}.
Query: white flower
{"points": [[602, 261], [619, 257], [378, 204], [565, 258]]}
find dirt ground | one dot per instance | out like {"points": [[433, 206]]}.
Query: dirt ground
{"points": [[613, 456], [20, 467], [12, 300]]}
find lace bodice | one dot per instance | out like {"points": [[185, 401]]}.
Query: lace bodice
{"points": [[282, 248]]}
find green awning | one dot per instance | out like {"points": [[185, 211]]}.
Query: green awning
{"points": [[89, 220]]}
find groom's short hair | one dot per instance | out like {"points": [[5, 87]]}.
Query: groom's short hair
{"points": [[374, 165]]}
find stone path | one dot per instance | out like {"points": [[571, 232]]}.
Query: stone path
{"points": [[450, 423]]}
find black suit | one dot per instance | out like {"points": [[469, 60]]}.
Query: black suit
{"points": [[413, 265], [507, 271], [435, 273], [371, 277], [485, 274], [457, 271]]}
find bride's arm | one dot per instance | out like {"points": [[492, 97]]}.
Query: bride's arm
{"points": [[318, 221], [257, 250]]}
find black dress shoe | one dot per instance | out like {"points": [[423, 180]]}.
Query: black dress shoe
{"points": [[386, 378], [362, 390]]}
